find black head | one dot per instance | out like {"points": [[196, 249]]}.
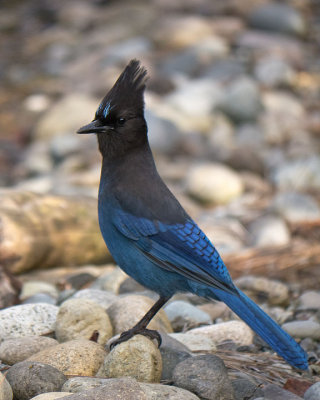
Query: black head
{"points": [[119, 120]]}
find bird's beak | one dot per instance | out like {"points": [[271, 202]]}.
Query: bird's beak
{"points": [[94, 127]]}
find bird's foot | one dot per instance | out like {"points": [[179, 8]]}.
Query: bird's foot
{"points": [[132, 332]]}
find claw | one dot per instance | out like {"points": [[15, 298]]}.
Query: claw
{"points": [[132, 332]]}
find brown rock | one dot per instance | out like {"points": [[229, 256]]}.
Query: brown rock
{"points": [[76, 357], [137, 358], [80, 318], [125, 312], [50, 233]]}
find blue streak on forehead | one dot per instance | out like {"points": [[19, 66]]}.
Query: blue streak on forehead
{"points": [[104, 109]]}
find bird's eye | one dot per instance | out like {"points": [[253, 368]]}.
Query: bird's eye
{"points": [[121, 121]]}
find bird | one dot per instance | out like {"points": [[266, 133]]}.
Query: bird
{"points": [[147, 231]]}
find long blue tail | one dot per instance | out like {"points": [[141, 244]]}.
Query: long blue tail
{"points": [[265, 327]]}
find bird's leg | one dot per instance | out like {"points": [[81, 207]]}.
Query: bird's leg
{"points": [[141, 327]]}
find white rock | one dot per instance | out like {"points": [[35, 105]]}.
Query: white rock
{"points": [[236, 331], [303, 329], [27, 320], [214, 183], [5, 389], [195, 342]]}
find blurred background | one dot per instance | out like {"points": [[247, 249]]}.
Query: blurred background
{"points": [[233, 110]]}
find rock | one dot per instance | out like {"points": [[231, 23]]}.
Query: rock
{"points": [[28, 379], [110, 281], [214, 184], [245, 389], [80, 384], [5, 389], [172, 352], [195, 342], [295, 207], [163, 392], [126, 311], [242, 100], [76, 357], [183, 315], [27, 320], [10, 288], [283, 118], [66, 116], [120, 389], [31, 288], [164, 136], [130, 285], [37, 160], [221, 138], [273, 72], [277, 292], [40, 298], [18, 349], [303, 329], [177, 32], [34, 239], [65, 145], [100, 297], [313, 393], [308, 300], [277, 17], [204, 375], [81, 318], [215, 309], [274, 392], [133, 47], [299, 174], [269, 231], [236, 331], [190, 105], [51, 396], [138, 358]]}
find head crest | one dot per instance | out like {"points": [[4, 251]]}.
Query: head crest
{"points": [[127, 92]]}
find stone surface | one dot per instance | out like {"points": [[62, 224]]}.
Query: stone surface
{"points": [[80, 318], [66, 116], [295, 207], [236, 331], [242, 100], [101, 297], [213, 183], [206, 376], [29, 378], [313, 393], [308, 300], [126, 311], [76, 357], [5, 389], [35, 287], [276, 292], [195, 342], [303, 329], [277, 17], [244, 388], [164, 392], [120, 389], [183, 315], [171, 354], [274, 392], [27, 320], [110, 281], [269, 231], [15, 350], [138, 358], [51, 396]]}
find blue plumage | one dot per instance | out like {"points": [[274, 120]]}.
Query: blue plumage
{"points": [[147, 231]]}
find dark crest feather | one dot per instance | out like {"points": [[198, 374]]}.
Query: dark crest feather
{"points": [[127, 92]]}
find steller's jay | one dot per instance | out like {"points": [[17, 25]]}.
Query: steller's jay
{"points": [[147, 231]]}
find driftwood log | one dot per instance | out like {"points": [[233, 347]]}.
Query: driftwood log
{"points": [[43, 231]]}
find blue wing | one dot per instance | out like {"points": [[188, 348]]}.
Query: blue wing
{"points": [[181, 248]]}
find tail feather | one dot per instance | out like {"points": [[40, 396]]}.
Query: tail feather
{"points": [[265, 327]]}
